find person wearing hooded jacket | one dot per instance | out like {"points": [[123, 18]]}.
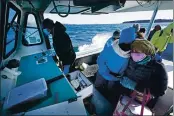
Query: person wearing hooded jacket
{"points": [[115, 36], [61, 42], [113, 60]]}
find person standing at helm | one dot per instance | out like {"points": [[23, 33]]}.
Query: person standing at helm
{"points": [[115, 36], [161, 39], [113, 60], [61, 42]]}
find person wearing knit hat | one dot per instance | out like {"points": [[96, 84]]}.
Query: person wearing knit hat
{"points": [[143, 71], [115, 36], [113, 60]]}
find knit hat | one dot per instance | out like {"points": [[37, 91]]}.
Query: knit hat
{"points": [[144, 46], [137, 27], [127, 35]]}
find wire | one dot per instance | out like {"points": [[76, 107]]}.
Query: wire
{"points": [[31, 4], [69, 7], [148, 1]]}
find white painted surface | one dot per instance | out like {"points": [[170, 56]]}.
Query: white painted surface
{"points": [[74, 108], [133, 6], [88, 53], [169, 68], [7, 84], [87, 90]]}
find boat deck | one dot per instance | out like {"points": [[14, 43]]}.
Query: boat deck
{"points": [[50, 70]]}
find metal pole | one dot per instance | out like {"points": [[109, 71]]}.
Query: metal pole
{"points": [[152, 19]]}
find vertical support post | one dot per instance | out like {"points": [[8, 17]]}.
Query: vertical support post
{"points": [[152, 19]]}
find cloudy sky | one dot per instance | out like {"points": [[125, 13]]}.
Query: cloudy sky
{"points": [[111, 18]]}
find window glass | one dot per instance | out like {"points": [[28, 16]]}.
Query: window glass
{"points": [[11, 15], [11, 31], [32, 35]]}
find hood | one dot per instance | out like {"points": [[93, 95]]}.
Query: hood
{"points": [[127, 35], [167, 30], [119, 51], [59, 27]]}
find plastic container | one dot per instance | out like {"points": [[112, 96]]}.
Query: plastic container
{"points": [[86, 87], [26, 93]]}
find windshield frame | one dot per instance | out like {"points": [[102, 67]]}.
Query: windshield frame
{"points": [[18, 12]]}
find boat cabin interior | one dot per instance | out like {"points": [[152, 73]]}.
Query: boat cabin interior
{"points": [[24, 45]]}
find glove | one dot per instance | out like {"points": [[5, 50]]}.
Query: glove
{"points": [[127, 83], [115, 74], [158, 58]]}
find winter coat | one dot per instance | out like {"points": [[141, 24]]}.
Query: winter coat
{"points": [[109, 42], [161, 38], [112, 60], [151, 34], [152, 75], [63, 45]]}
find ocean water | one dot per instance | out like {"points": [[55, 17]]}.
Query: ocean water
{"points": [[89, 36]]}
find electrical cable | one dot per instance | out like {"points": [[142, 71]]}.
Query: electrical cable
{"points": [[148, 1], [69, 7]]}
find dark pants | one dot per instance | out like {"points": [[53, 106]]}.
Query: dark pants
{"points": [[100, 82], [110, 89]]}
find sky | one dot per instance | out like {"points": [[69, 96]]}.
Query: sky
{"points": [[112, 18]]}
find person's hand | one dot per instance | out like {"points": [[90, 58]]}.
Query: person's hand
{"points": [[61, 65], [139, 96], [128, 83]]}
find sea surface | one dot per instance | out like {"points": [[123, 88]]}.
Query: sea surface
{"points": [[95, 35], [91, 36], [86, 37]]}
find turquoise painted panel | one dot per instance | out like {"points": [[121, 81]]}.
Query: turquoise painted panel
{"points": [[59, 91], [32, 71]]}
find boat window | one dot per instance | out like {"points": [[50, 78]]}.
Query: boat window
{"points": [[74, 9], [32, 35], [12, 29]]}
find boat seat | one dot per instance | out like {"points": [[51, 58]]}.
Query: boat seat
{"points": [[164, 103]]}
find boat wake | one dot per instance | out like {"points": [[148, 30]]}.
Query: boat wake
{"points": [[98, 41]]}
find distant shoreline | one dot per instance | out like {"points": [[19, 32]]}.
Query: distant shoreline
{"points": [[147, 21]]}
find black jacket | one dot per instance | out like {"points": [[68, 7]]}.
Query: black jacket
{"points": [[63, 45], [152, 76], [151, 34]]}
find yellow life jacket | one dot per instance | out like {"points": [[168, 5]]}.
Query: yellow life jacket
{"points": [[161, 38]]}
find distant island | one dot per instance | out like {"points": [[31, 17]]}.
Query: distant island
{"points": [[147, 21]]}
